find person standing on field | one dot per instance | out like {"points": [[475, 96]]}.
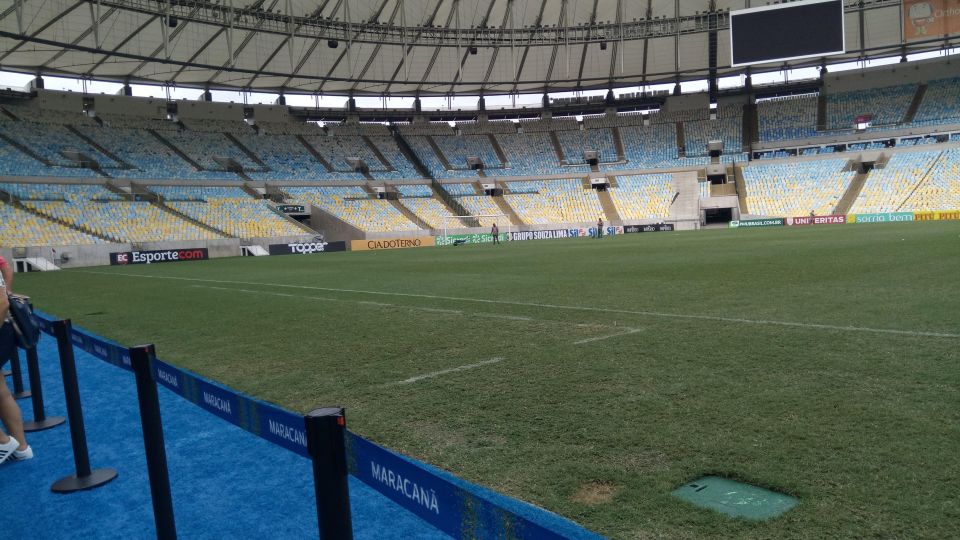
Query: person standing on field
{"points": [[13, 442], [600, 227], [495, 232]]}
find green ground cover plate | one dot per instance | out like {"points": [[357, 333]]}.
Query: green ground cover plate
{"points": [[734, 498]]}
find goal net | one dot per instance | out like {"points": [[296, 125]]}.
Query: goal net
{"points": [[464, 229]]}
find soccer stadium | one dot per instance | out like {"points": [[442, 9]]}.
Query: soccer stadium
{"points": [[498, 269]]}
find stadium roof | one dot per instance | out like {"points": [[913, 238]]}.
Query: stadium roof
{"points": [[395, 47]]}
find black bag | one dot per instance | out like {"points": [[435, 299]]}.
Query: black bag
{"points": [[25, 324]]}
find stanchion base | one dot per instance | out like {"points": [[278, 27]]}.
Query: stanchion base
{"points": [[97, 478], [46, 423], [22, 395]]}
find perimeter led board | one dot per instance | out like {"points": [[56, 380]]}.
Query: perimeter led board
{"points": [[783, 32]]}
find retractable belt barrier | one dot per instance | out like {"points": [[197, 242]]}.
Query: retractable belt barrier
{"points": [[450, 504]]}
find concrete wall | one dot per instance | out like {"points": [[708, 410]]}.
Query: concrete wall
{"points": [[686, 102], [893, 75]]}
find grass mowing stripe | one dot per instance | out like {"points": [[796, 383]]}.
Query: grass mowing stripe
{"points": [[911, 333], [424, 309], [412, 380]]}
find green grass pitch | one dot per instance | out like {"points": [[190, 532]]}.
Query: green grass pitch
{"points": [[592, 377]]}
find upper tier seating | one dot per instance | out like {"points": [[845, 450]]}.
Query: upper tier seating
{"points": [[203, 146], [531, 154], [887, 106], [555, 201], [786, 118], [13, 162], [212, 125], [287, 158], [643, 196], [698, 133], [403, 168], [888, 188], [141, 149], [650, 146], [575, 142], [458, 148], [354, 206], [50, 141], [424, 150], [228, 209], [796, 189], [19, 228], [336, 150], [941, 103]]}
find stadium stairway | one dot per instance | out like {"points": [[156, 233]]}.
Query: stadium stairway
{"points": [[174, 148], [501, 155], [249, 153], [821, 112], [184, 217], [923, 180], [451, 202], [686, 205], [313, 152], [681, 141], [609, 208], [26, 150], [618, 144], [411, 156], [65, 223], [407, 213], [915, 104], [379, 155], [98, 147], [558, 148], [505, 207], [436, 150], [850, 196], [741, 189]]}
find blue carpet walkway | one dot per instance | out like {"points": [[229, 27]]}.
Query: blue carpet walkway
{"points": [[226, 482]]}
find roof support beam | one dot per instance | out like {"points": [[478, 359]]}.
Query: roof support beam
{"points": [[39, 31]]}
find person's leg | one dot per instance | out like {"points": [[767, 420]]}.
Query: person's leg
{"points": [[12, 419]]}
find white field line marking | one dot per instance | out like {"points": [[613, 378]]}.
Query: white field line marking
{"points": [[431, 375], [438, 310], [912, 333], [499, 316], [591, 340]]}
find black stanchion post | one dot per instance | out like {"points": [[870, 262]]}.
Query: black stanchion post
{"points": [[85, 477], [326, 429], [40, 420], [141, 358], [18, 391]]}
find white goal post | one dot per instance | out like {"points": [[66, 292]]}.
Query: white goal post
{"points": [[486, 222]]}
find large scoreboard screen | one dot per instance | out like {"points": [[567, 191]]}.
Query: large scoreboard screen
{"points": [[782, 32]]}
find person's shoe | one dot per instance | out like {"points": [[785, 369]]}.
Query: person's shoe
{"points": [[8, 448], [22, 455]]}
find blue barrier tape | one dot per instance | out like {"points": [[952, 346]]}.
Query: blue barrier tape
{"points": [[448, 503], [456, 507], [264, 420]]}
